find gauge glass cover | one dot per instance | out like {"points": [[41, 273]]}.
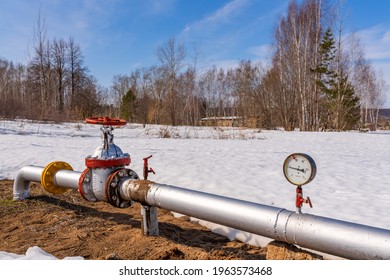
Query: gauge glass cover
{"points": [[299, 169]]}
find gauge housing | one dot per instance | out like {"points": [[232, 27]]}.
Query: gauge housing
{"points": [[299, 169]]}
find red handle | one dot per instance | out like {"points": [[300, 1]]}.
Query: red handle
{"points": [[106, 121], [309, 201]]}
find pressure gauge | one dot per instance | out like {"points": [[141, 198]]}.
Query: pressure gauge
{"points": [[299, 169]]}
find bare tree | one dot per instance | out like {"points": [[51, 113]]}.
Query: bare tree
{"points": [[39, 66], [296, 41], [368, 83], [76, 74], [171, 56], [58, 62], [53, 85]]}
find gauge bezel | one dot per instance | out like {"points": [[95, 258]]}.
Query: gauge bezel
{"points": [[312, 165]]}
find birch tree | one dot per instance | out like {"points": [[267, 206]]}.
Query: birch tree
{"points": [[171, 55], [296, 41]]}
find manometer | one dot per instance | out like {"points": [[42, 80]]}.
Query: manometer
{"points": [[299, 169]]}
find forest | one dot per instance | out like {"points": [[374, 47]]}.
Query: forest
{"points": [[317, 78]]}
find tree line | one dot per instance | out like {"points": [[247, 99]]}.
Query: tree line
{"points": [[317, 78], [54, 85]]}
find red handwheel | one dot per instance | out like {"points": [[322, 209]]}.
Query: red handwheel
{"points": [[106, 121]]}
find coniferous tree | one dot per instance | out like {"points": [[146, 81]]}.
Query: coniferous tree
{"points": [[327, 51], [341, 104], [127, 108]]}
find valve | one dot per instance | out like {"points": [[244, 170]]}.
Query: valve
{"points": [[106, 166], [300, 199], [147, 170], [108, 154]]}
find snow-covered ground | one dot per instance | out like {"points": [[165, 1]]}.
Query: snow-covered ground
{"points": [[353, 168]]}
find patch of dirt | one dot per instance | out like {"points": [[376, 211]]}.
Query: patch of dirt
{"points": [[67, 225]]}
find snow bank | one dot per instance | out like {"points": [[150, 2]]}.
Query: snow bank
{"points": [[33, 253]]}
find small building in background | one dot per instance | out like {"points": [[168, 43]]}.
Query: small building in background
{"points": [[230, 121]]}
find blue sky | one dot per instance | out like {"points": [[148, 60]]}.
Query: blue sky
{"points": [[118, 36]]}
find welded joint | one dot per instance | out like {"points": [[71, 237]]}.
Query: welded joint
{"points": [[280, 225], [136, 190]]}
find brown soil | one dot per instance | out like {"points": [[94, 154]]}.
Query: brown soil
{"points": [[68, 225]]}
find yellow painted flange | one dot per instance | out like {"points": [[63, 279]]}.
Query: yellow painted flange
{"points": [[47, 177]]}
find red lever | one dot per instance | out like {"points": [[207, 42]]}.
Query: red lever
{"points": [[106, 121], [147, 170], [309, 201]]}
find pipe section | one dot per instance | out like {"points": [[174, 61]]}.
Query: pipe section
{"points": [[67, 179], [24, 176], [335, 237], [28, 174]]}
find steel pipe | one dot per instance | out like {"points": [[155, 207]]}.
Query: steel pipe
{"points": [[67, 178], [335, 237], [24, 176], [28, 174]]}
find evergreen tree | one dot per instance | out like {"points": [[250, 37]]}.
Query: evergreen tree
{"points": [[343, 104], [327, 51], [339, 101], [128, 106]]}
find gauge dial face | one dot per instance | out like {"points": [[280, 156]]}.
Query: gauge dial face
{"points": [[299, 169]]}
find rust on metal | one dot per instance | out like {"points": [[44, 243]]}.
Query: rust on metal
{"points": [[140, 191]]}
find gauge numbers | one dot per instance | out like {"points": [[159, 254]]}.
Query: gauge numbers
{"points": [[299, 169]]}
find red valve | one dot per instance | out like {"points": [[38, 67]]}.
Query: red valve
{"points": [[147, 170], [106, 121], [300, 199]]}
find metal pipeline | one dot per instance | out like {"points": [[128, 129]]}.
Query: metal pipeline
{"points": [[59, 181], [67, 178], [335, 237], [340, 238], [23, 177]]}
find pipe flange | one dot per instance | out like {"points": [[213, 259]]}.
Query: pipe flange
{"points": [[112, 187], [85, 185], [47, 177]]}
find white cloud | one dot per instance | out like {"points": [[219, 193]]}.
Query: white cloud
{"points": [[224, 64], [376, 40], [217, 18], [262, 51]]}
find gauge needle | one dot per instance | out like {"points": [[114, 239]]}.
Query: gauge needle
{"points": [[301, 170]]}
